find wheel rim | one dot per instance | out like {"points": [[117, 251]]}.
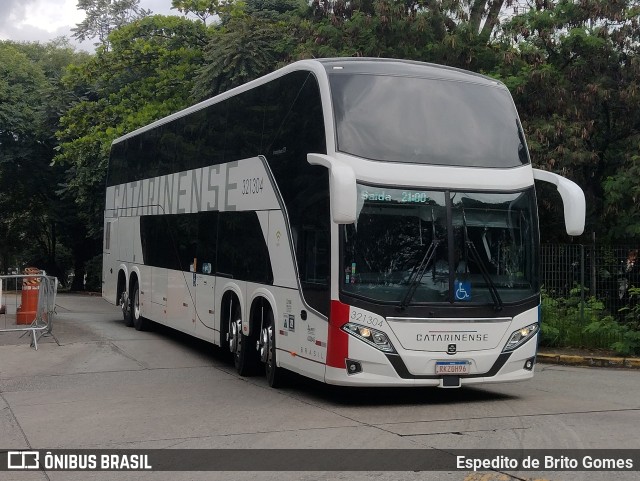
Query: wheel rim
{"points": [[136, 303], [265, 345], [234, 336], [269, 360], [123, 303]]}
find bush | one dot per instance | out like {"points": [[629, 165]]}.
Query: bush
{"points": [[569, 322], [93, 269]]}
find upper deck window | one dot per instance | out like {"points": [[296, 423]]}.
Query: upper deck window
{"points": [[426, 121]]}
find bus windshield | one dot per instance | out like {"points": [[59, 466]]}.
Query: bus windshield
{"points": [[417, 246], [426, 121]]}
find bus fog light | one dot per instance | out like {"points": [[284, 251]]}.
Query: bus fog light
{"points": [[528, 365], [353, 367], [521, 336], [373, 337]]}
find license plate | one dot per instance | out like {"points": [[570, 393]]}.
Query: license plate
{"points": [[452, 368]]}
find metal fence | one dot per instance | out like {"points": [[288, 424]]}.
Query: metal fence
{"points": [[27, 305], [583, 283]]}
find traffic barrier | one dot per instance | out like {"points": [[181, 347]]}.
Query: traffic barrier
{"points": [[36, 311], [30, 290]]}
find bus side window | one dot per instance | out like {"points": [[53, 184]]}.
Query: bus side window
{"points": [[316, 256], [242, 249], [207, 239], [107, 237]]}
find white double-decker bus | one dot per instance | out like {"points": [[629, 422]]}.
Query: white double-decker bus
{"points": [[357, 221]]}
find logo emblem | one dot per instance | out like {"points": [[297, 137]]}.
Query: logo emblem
{"points": [[451, 349]]}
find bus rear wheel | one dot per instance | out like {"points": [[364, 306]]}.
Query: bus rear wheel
{"points": [[127, 311], [244, 356]]}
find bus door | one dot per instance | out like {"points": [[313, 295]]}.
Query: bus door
{"points": [[205, 285], [203, 275], [109, 258], [159, 281]]}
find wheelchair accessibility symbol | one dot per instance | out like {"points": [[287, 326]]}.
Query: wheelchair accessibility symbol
{"points": [[462, 290]]}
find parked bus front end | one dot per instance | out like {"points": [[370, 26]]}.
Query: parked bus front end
{"points": [[435, 277], [437, 287]]}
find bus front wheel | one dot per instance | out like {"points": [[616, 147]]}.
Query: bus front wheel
{"points": [[275, 374], [139, 322]]}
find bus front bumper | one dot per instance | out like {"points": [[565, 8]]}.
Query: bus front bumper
{"points": [[416, 368]]}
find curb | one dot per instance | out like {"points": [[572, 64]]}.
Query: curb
{"points": [[593, 361]]}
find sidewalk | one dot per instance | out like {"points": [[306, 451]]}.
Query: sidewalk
{"points": [[568, 358]]}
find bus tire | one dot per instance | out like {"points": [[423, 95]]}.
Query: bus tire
{"points": [[125, 305], [139, 322], [245, 357], [276, 376]]}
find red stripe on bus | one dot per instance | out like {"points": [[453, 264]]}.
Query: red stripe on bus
{"points": [[338, 340]]}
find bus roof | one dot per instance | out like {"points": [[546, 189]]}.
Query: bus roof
{"points": [[355, 65], [390, 66]]}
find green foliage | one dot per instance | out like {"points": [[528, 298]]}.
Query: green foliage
{"points": [[628, 342], [455, 33], [622, 194], [568, 322], [31, 97], [104, 16], [145, 75], [573, 68], [630, 335], [205, 9], [94, 274], [245, 48], [563, 319]]}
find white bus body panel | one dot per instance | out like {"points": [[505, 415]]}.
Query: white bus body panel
{"points": [[126, 230], [205, 305], [280, 251]]}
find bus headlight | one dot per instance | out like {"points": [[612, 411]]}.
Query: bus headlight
{"points": [[521, 336], [373, 337]]}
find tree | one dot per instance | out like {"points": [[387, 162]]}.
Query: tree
{"points": [[205, 9], [573, 68], [147, 74], [254, 41], [105, 16], [451, 32], [31, 98]]}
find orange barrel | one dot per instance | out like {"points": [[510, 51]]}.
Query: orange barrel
{"points": [[30, 290]]}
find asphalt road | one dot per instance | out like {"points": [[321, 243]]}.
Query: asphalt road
{"points": [[98, 384]]}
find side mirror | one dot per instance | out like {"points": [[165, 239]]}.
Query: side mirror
{"points": [[342, 186], [572, 198]]}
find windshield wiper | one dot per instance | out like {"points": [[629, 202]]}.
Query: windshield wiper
{"points": [[493, 290], [418, 273]]}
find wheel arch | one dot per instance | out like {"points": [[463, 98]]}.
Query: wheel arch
{"points": [[122, 283], [259, 305], [260, 298], [230, 291], [134, 275]]}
